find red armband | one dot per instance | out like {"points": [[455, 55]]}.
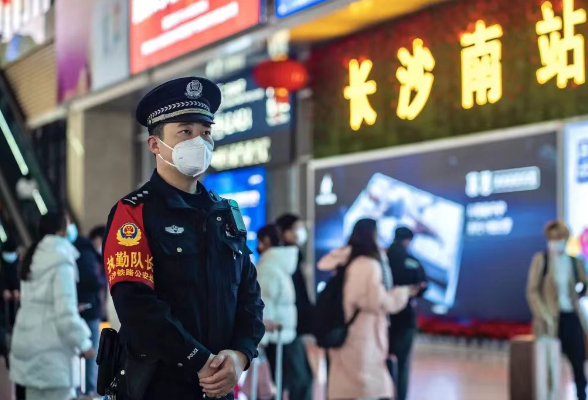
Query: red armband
{"points": [[127, 257]]}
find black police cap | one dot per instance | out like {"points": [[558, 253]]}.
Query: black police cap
{"points": [[190, 99], [403, 233]]}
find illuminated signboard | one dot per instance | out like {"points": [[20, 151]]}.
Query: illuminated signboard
{"points": [[166, 29], [289, 7], [248, 188], [576, 187], [463, 199], [450, 70], [252, 127]]}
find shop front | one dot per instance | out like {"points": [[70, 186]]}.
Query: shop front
{"points": [[452, 121]]}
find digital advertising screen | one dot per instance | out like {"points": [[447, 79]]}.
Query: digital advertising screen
{"points": [[285, 8], [248, 188], [576, 187], [166, 29], [477, 209]]}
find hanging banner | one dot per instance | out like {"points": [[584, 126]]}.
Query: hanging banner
{"points": [[164, 30]]}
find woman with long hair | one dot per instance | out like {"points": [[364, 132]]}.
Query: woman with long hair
{"points": [[49, 332], [358, 370]]}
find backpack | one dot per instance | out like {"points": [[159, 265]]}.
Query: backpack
{"points": [[330, 328], [576, 263]]}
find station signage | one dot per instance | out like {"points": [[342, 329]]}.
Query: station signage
{"points": [[450, 70], [162, 30], [252, 127]]}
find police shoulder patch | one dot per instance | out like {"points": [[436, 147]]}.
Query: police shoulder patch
{"points": [[127, 255], [137, 197]]}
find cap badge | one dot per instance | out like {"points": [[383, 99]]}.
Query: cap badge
{"points": [[194, 90]]}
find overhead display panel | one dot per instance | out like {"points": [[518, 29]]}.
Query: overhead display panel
{"points": [[164, 30]]}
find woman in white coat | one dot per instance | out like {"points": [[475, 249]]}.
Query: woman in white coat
{"points": [[274, 274], [49, 332]]}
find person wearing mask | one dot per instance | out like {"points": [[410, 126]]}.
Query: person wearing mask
{"points": [[9, 283], [293, 233], [406, 270], [49, 332], [91, 285], [554, 301], [177, 261], [358, 369], [274, 273], [10, 288]]}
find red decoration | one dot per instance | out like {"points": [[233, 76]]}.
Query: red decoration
{"points": [[284, 74]]}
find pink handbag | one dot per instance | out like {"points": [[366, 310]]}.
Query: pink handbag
{"points": [[265, 384]]}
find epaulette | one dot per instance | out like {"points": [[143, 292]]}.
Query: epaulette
{"points": [[214, 196], [137, 197]]}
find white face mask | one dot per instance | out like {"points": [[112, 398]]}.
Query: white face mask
{"points": [[302, 236], [557, 246], [191, 157]]}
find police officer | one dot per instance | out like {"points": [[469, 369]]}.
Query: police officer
{"points": [[177, 263], [406, 270]]}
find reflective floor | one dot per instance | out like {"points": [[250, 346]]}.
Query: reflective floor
{"points": [[445, 370], [448, 372]]}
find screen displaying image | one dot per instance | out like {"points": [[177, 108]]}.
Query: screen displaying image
{"points": [[477, 211], [576, 187], [437, 223], [248, 188]]}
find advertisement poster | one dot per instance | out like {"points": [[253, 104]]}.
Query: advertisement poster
{"points": [[477, 211], [72, 46], [576, 187], [248, 188], [110, 43], [289, 7], [252, 126], [91, 39], [164, 30]]}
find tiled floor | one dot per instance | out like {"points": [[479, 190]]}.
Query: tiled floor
{"points": [[450, 372], [445, 370]]}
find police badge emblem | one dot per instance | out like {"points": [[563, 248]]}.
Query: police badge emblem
{"points": [[128, 235], [174, 230], [194, 90]]}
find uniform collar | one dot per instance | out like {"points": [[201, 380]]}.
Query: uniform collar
{"points": [[171, 195]]}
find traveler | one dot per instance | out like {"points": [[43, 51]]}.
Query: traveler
{"points": [[554, 301], [275, 269], [406, 270], [357, 370], [91, 286], [293, 233], [177, 262], [49, 332]]}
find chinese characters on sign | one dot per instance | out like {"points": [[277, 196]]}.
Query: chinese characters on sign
{"points": [[134, 264], [561, 52], [554, 49], [414, 76], [481, 69], [357, 93]]}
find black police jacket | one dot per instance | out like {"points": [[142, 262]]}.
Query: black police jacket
{"points": [[406, 270], [182, 284]]}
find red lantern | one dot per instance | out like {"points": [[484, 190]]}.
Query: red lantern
{"points": [[288, 75]]}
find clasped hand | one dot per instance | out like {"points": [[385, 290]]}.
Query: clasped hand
{"points": [[221, 373]]}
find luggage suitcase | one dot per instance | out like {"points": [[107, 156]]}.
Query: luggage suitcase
{"points": [[534, 368], [277, 374]]}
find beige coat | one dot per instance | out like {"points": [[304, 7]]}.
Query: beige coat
{"points": [[358, 369], [544, 301]]}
